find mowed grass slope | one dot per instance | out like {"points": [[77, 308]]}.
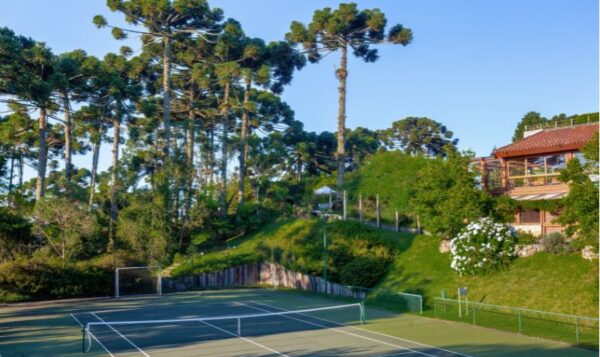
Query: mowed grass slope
{"points": [[566, 284]]}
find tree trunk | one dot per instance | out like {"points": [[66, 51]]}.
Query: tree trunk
{"points": [[189, 153], [225, 115], [113, 181], [21, 164], [95, 157], [212, 161], [12, 170], [167, 95], [68, 136], [244, 143], [342, 74], [40, 187]]}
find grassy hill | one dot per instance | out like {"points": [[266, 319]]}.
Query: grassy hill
{"points": [[298, 245], [566, 284]]}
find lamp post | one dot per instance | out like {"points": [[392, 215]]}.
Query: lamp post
{"points": [[325, 252]]}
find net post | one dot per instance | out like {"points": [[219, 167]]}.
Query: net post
{"points": [[239, 326], [362, 312], [82, 338], [117, 282], [159, 281]]}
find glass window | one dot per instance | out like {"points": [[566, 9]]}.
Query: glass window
{"points": [[536, 166], [516, 168], [555, 163], [494, 175], [536, 181], [516, 183], [580, 157]]}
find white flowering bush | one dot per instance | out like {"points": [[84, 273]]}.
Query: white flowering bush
{"points": [[483, 246]]}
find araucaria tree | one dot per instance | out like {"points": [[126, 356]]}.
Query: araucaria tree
{"points": [[165, 21], [343, 29]]}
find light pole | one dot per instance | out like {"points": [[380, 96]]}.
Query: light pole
{"points": [[325, 252]]}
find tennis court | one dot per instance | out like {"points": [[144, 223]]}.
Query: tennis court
{"points": [[247, 322], [249, 325]]}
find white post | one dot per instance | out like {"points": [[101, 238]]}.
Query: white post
{"points": [[159, 282], [360, 209], [459, 308], [397, 222], [239, 326], [117, 282]]}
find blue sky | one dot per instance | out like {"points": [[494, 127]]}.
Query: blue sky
{"points": [[476, 66]]}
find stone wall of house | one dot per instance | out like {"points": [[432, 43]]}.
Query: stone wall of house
{"points": [[256, 274]]}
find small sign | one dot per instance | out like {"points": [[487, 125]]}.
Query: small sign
{"points": [[463, 291]]}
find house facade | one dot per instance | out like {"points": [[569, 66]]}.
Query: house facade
{"points": [[529, 169]]}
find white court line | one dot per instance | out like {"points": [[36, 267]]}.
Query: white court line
{"points": [[245, 339], [94, 337], [337, 329], [120, 334], [396, 354], [381, 334]]}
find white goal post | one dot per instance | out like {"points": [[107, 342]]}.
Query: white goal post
{"points": [[119, 272]]}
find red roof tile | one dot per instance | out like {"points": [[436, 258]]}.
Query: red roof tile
{"points": [[551, 140]]}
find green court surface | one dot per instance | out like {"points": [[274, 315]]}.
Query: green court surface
{"points": [[258, 323]]}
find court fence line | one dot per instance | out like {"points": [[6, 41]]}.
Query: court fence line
{"points": [[88, 336], [580, 330]]}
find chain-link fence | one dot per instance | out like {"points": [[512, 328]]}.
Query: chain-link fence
{"points": [[574, 329]]}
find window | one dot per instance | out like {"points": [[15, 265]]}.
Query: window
{"points": [[516, 168], [536, 181], [536, 171], [555, 163], [513, 183], [529, 216], [494, 174], [536, 166], [580, 157]]}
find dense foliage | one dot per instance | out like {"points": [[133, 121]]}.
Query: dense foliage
{"points": [[357, 255], [580, 207], [447, 197], [482, 247]]}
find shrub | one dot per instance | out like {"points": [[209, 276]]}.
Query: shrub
{"points": [[556, 243], [483, 246], [446, 195], [363, 271], [526, 238]]}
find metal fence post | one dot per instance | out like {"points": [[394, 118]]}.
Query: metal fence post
{"points": [[434, 308], [577, 330], [474, 321], [520, 329], [378, 211]]}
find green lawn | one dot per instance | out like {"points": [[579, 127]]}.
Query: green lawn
{"points": [[562, 284], [566, 284]]}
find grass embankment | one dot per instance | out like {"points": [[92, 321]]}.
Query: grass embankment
{"points": [[566, 284], [357, 254]]}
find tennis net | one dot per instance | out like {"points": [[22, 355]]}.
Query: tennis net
{"points": [[191, 330]]}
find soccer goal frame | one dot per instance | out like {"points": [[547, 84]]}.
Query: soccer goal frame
{"points": [[147, 267]]}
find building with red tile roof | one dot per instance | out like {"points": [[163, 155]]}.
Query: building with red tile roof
{"points": [[529, 170]]}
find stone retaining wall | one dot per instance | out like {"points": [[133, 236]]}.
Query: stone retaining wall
{"points": [[260, 273]]}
